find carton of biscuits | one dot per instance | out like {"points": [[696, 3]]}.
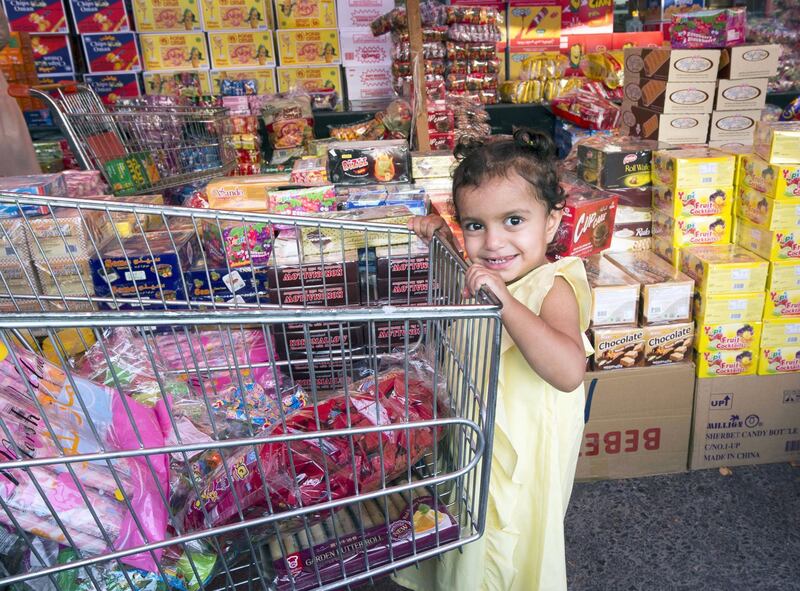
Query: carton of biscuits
{"points": [[784, 275], [705, 201], [717, 364], [778, 181], [781, 332], [777, 245], [728, 307], [767, 213], [724, 268], [611, 163], [618, 348], [664, 96], [778, 360], [672, 128], [749, 61], [674, 65], [740, 95], [691, 231], [693, 168], [668, 343], [739, 126], [731, 336], [778, 142], [782, 303], [615, 294], [666, 250]]}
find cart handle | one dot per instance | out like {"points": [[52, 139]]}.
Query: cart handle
{"points": [[18, 90]]}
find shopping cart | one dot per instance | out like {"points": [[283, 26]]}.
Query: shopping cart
{"points": [[317, 429], [139, 148]]}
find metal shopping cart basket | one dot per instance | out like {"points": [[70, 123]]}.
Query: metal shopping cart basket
{"points": [[306, 408], [139, 148]]}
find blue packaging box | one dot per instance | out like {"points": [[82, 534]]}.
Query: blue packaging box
{"points": [[243, 285]]}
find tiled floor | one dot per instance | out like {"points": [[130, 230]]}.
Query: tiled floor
{"points": [[693, 531]]}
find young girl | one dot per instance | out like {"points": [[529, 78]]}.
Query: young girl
{"points": [[508, 202]]}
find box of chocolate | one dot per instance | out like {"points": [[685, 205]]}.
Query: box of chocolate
{"points": [[390, 336], [689, 231], [615, 294], [741, 95], [637, 197], [312, 274], [767, 213], [778, 360], [662, 96], [365, 163], [778, 142], [782, 304], [734, 125], [678, 65], [784, 275], [399, 265], [243, 285], [715, 364], [728, 307], [749, 61], [333, 341], [673, 128], [320, 295], [724, 268], [666, 292], [610, 163], [693, 168], [780, 182], [708, 201], [618, 348], [400, 290], [772, 245], [587, 223], [733, 336], [668, 343], [781, 332]]}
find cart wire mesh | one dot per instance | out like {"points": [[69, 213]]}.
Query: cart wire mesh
{"points": [[307, 407]]}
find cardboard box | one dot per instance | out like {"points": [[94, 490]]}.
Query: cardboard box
{"points": [[587, 223], [99, 16], [241, 49], [669, 97], [177, 84], [634, 431], [781, 182], [360, 13], [581, 18], [778, 142], [766, 213], [690, 231], [532, 22], [615, 294], [311, 79], [112, 87], [361, 48], [369, 82], [309, 47], [675, 65], [739, 126], [775, 245], [741, 95], [691, 168], [749, 61], [619, 347], [45, 16], [782, 332], [264, 79], [166, 16], [725, 268], [731, 336], [230, 15], [667, 251], [111, 52], [745, 420], [668, 343], [784, 275], [657, 12], [611, 163], [52, 55], [720, 364], [174, 52], [779, 360], [782, 304], [675, 128], [728, 307], [709, 201], [311, 14]]}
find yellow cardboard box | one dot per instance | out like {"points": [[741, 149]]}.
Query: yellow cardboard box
{"points": [[693, 168], [668, 252], [781, 332], [777, 245], [781, 182], [728, 308], [709, 201], [164, 16], [782, 304], [530, 22], [305, 14], [724, 268], [733, 336], [312, 78], [242, 193], [228, 15], [784, 275], [690, 231], [717, 364], [264, 77], [241, 49], [172, 52], [778, 142], [778, 360], [765, 212], [298, 47], [178, 84]]}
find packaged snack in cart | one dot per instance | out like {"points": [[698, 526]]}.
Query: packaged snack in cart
{"points": [[309, 172], [299, 201], [289, 121], [238, 244], [364, 163]]}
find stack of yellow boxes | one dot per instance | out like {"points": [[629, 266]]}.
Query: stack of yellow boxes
{"points": [[693, 192], [729, 300], [768, 224]]}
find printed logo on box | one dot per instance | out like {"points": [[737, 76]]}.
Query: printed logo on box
{"points": [[52, 54], [791, 396], [736, 422], [100, 16], [115, 52], [721, 401], [112, 87], [36, 16]]}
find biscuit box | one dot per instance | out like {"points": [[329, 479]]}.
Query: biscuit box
{"points": [[781, 182], [111, 52], [534, 24], [99, 16], [52, 55], [615, 294], [241, 49], [716, 364], [174, 51], [369, 82], [128, 268], [366, 163], [176, 84], [778, 360], [709, 201], [310, 14], [309, 47], [243, 193], [666, 292], [767, 213], [675, 65], [165, 16], [782, 304], [327, 375], [587, 222], [400, 266], [320, 295], [610, 163], [330, 273], [781, 332], [728, 307], [662, 96], [724, 268], [668, 343], [673, 128], [264, 79], [668, 252], [784, 275], [775, 245], [688, 231], [778, 142], [741, 95], [337, 340], [749, 61], [618, 347], [732, 336], [738, 126], [62, 237], [693, 168], [313, 78], [243, 285], [230, 15], [44, 16]]}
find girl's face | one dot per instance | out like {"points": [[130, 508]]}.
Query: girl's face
{"points": [[506, 229]]}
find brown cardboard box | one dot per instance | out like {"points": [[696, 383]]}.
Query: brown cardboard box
{"points": [[749, 61], [738, 95], [746, 420], [615, 294], [675, 65], [638, 422], [670, 97], [738, 126], [673, 128]]}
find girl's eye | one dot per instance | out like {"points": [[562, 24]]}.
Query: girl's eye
{"points": [[473, 226], [514, 220]]}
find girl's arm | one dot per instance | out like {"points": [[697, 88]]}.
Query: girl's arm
{"points": [[551, 341]]}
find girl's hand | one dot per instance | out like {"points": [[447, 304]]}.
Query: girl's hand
{"points": [[426, 226], [477, 276]]}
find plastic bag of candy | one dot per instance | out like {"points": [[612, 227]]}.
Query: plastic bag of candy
{"points": [[587, 107], [605, 67], [289, 120]]}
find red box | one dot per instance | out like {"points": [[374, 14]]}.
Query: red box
{"points": [[587, 18], [587, 225]]}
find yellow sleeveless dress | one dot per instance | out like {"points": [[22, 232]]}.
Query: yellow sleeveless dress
{"points": [[537, 437]]}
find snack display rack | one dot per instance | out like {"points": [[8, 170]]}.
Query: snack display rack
{"points": [[344, 428]]}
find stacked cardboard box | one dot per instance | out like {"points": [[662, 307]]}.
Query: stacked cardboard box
{"points": [[367, 59]]}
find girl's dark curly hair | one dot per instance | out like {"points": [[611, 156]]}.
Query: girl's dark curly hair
{"points": [[530, 154]]}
